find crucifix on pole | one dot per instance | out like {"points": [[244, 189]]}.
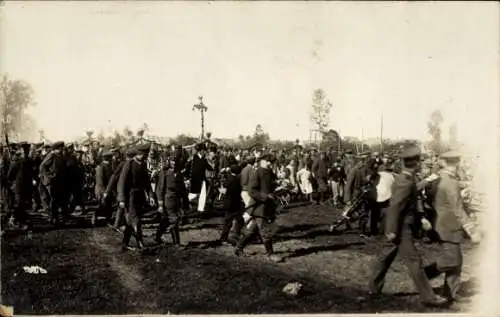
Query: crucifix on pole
{"points": [[202, 109]]}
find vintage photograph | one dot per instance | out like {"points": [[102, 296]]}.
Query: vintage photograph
{"points": [[246, 157]]}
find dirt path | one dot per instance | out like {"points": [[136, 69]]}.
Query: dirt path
{"points": [[129, 276]]}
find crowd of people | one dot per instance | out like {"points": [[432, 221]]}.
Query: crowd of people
{"points": [[407, 191]]}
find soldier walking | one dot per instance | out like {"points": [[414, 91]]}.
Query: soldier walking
{"points": [[450, 225], [401, 217], [134, 189], [170, 190]]}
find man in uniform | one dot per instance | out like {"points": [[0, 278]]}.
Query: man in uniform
{"points": [[134, 187], [170, 191], [400, 218], [53, 178], [103, 174], [450, 224], [20, 180], [263, 213], [111, 189]]}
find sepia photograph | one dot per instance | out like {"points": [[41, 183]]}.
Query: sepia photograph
{"points": [[249, 157]]}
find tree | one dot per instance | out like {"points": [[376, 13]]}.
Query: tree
{"points": [[320, 112], [89, 134], [434, 128], [260, 138], [128, 133], [16, 96], [116, 139], [142, 130]]}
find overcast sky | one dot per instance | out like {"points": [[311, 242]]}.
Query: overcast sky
{"points": [[107, 65]]}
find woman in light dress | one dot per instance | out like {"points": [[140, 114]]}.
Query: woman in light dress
{"points": [[304, 177]]}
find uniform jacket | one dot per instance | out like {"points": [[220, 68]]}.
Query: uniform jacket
{"points": [[245, 176], [451, 218], [134, 178], [233, 193], [21, 176], [170, 189], [262, 183], [52, 169], [320, 168], [112, 184], [103, 174], [402, 210]]}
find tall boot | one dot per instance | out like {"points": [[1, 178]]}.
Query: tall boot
{"points": [[159, 232], [127, 234], [138, 236], [268, 245]]}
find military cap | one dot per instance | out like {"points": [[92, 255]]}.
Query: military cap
{"points": [[130, 152], [348, 151], [178, 147], [58, 145], [200, 147], [451, 156], [143, 148], [107, 153], [410, 153], [266, 157]]}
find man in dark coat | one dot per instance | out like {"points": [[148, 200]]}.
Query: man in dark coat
{"points": [[20, 179], [234, 205], [263, 212], [53, 177], [134, 189], [112, 187], [401, 216], [74, 177], [199, 167], [320, 174], [450, 225], [103, 174], [337, 177], [170, 190]]}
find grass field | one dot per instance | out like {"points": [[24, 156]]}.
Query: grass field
{"points": [[89, 274]]}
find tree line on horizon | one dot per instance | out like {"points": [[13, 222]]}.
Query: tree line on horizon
{"points": [[17, 96]]}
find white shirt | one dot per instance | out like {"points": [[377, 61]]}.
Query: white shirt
{"points": [[384, 187]]}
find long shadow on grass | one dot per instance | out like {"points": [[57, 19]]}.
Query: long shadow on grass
{"points": [[321, 248], [201, 281]]}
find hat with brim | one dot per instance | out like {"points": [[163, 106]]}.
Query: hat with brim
{"points": [[143, 149], [58, 145], [409, 154]]}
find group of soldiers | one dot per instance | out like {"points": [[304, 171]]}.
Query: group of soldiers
{"points": [[408, 193]]}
